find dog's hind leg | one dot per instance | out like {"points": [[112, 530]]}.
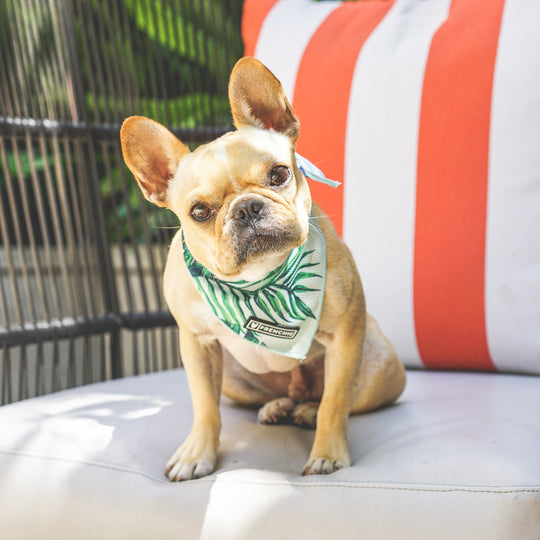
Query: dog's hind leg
{"points": [[382, 375]]}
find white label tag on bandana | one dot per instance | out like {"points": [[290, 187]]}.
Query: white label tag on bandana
{"points": [[280, 312]]}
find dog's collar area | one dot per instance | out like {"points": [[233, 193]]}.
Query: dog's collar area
{"points": [[313, 172], [280, 312]]}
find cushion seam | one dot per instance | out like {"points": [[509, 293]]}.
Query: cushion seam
{"points": [[343, 484]]}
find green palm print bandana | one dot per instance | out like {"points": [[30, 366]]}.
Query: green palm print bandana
{"points": [[280, 312]]}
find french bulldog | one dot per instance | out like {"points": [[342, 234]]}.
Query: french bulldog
{"points": [[254, 262]]}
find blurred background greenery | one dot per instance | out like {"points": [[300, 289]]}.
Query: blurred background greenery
{"points": [[81, 67]]}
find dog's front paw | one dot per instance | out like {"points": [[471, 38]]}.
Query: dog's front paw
{"points": [[328, 457], [276, 411], [193, 459], [324, 466]]}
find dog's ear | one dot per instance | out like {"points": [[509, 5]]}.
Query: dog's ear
{"points": [[152, 154], [257, 99]]}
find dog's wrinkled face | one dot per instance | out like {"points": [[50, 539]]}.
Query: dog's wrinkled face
{"points": [[242, 202]]}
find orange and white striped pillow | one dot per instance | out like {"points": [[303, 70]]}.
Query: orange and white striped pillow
{"points": [[430, 114]]}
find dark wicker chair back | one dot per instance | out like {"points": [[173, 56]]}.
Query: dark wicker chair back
{"points": [[81, 252]]}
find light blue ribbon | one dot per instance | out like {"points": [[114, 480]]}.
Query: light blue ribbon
{"points": [[313, 172]]}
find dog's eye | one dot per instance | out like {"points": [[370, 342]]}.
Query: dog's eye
{"points": [[279, 175], [200, 212]]}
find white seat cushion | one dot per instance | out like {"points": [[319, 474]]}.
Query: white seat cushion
{"points": [[457, 457]]}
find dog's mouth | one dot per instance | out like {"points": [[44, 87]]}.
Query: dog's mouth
{"points": [[259, 231], [261, 242]]}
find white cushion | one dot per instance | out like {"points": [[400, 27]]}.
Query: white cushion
{"points": [[456, 457]]}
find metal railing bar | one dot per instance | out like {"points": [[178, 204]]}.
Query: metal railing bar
{"points": [[42, 212], [6, 82], [5, 379], [48, 75], [56, 329], [99, 68], [19, 242], [182, 85], [152, 77], [105, 354], [34, 368], [19, 51], [13, 126], [9, 258], [102, 364], [157, 292], [56, 195], [109, 34], [222, 67], [192, 85], [79, 378], [116, 33], [175, 107], [20, 377], [61, 364], [77, 11], [51, 74], [130, 64], [37, 267], [153, 347], [3, 297], [154, 337], [206, 47], [160, 78], [209, 30], [88, 369], [108, 288], [74, 358], [66, 102], [143, 336], [77, 97], [81, 264], [69, 328], [37, 78], [125, 285], [95, 278]]}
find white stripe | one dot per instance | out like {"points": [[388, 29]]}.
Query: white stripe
{"points": [[380, 164], [284, 35], [513, 224]]}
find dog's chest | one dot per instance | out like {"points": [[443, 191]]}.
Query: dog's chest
{"points": [[252, 357]]}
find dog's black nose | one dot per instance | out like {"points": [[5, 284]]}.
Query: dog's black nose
{"points": [[248, 211]]}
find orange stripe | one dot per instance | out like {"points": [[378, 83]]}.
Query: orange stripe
{"points": [[255, 11], [321, 95], [451, 200]]}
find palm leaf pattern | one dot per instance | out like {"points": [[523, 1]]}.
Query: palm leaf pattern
{"points": [[288, 295]]}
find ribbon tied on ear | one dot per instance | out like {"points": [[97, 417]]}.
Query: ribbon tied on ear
{"points": [[313, 172]]}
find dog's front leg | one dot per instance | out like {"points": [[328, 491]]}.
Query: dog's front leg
{"points": [[342, 367], [203, 363]]}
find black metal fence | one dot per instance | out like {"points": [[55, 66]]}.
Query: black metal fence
{"points": [[81, 252]]}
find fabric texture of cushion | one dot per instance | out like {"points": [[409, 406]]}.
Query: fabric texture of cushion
{"points": [[430, 114], [457, 457]]}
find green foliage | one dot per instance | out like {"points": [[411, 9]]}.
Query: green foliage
{"points": [[95, 62]]}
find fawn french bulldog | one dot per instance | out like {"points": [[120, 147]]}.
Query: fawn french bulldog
{"points": [[267, 297]]}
